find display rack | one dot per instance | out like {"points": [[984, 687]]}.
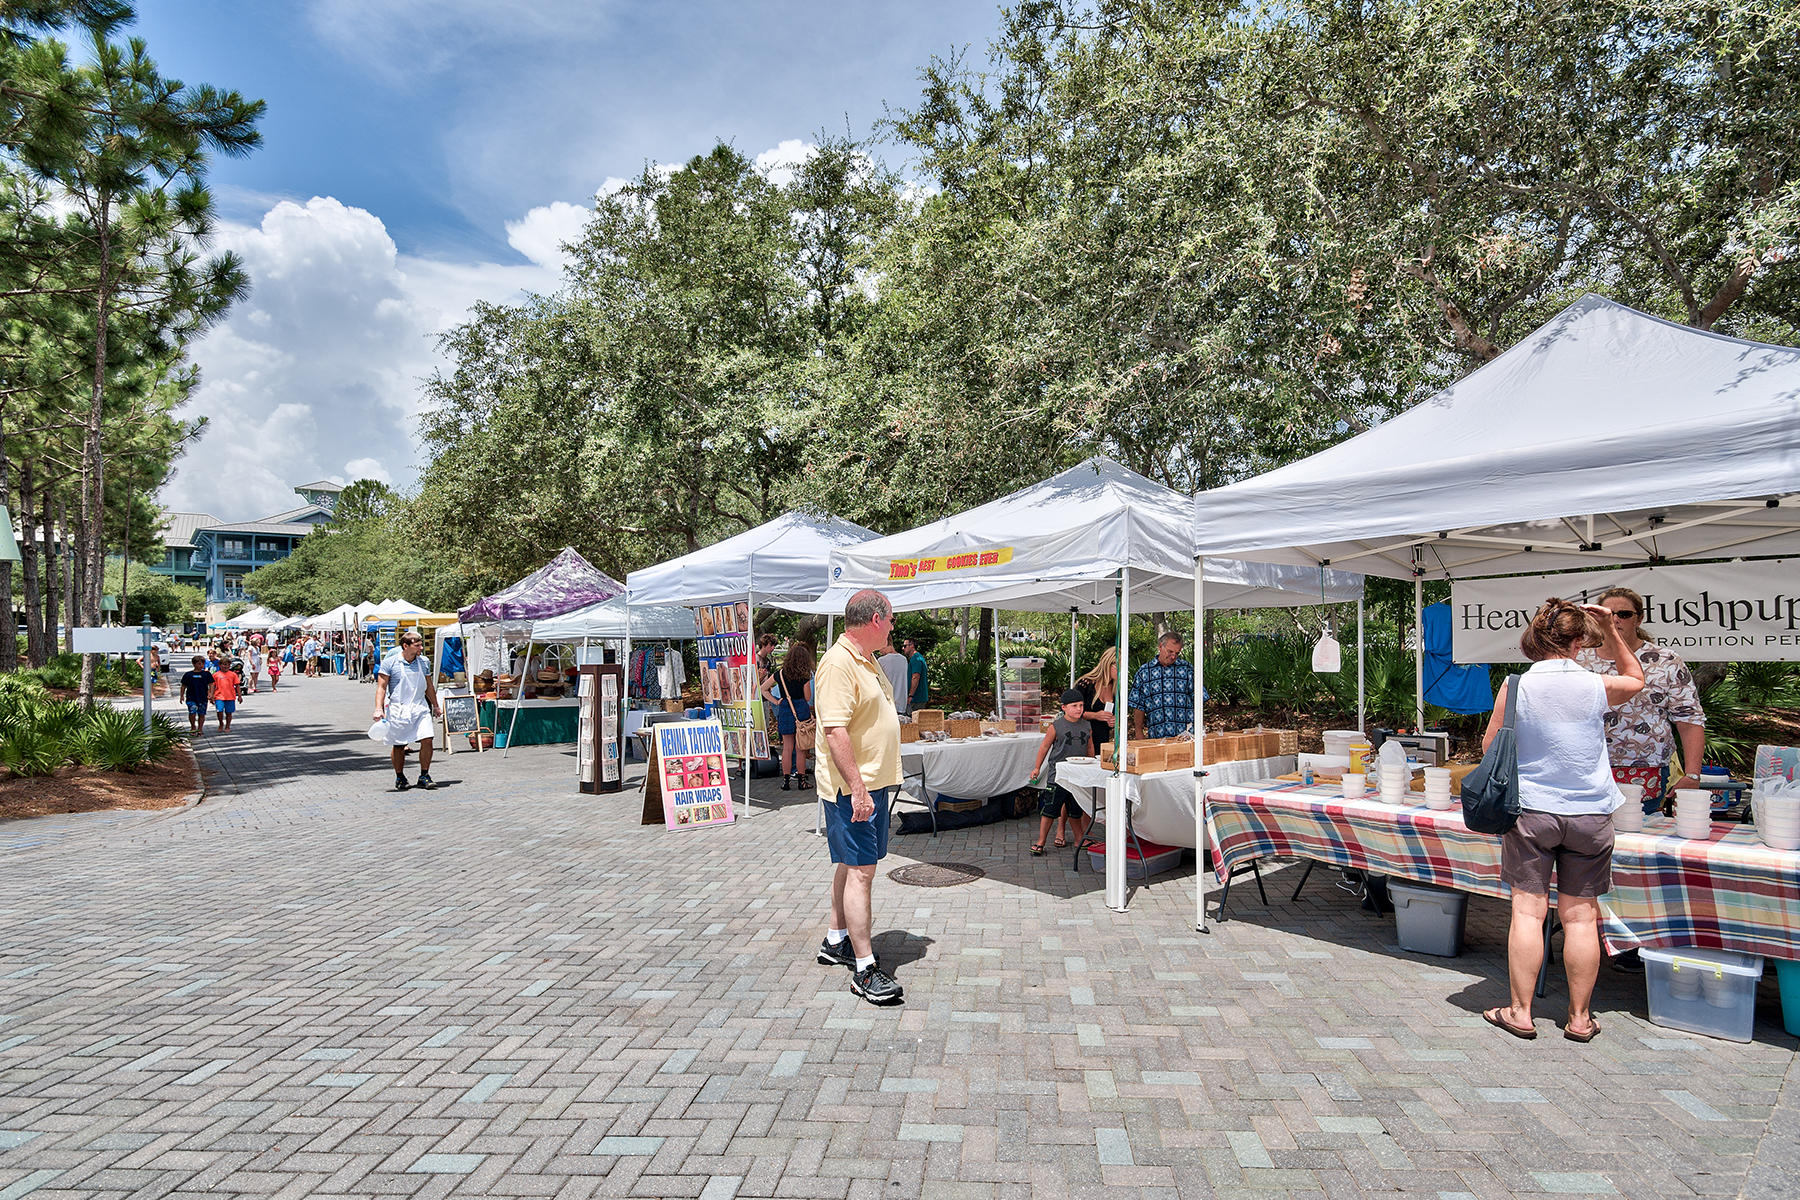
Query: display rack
{"points": [[1022, 690], [600, 729]]}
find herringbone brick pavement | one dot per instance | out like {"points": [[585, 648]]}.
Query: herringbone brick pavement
{"points": [[310, 986]]}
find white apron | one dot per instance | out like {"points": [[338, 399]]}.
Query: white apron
{"points": [[408, 715]]}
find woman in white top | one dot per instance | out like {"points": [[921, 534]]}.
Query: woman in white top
{"points": [[1566, 801]]}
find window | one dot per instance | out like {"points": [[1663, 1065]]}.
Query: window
{"points": [[230, 544]]}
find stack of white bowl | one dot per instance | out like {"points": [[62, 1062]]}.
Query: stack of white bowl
{"points": [[1778, 822], [1629, 817], [1395, 784], [1355, 784], [1693, 812], [1437, 788]]}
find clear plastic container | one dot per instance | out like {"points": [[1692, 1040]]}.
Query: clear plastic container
{"points": [[1703, 991]]}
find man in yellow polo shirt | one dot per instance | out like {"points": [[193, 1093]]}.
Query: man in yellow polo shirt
{"points": [[857, 748]]}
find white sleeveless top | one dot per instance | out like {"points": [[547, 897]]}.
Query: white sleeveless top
{"points": [[1563, 765]]}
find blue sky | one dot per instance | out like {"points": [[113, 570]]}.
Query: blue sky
{"points": [[422, 154]]}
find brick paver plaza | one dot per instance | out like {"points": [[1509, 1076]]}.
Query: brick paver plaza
{"points": [[310, 986]]}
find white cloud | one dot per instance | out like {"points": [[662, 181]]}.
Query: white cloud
{"points": [[364, 468], [318, 372], [541, 234], [781, 163]]}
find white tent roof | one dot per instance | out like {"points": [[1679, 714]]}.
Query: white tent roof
{"points": [[781, 560], [1059, 544], [259, 618], [607, 620], [1608, 436], [343, 614]]}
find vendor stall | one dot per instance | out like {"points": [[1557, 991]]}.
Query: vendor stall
{"points": [[781, 562], [1523, 467], [567, 583], [1724, 892], [1095, 538]]}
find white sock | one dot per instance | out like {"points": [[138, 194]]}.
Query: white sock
{"points": [[863, 964], [835, 936]]}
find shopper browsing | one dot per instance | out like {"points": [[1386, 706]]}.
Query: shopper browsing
{"points": [[1566, 801], [1068, 736], [894, 666], [1162, 691], [858, 749]]}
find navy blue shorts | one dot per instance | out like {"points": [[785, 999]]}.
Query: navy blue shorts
{"points": [[858, 843], [1059, 800], [196, 707]]}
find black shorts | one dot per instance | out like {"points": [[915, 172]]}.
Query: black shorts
{"points": [[1059, 800]]}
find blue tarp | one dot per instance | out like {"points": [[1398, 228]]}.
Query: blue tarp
{"points": [[1459, 689]]}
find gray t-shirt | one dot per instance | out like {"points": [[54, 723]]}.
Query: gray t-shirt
{"points": [[1069, 739], [894, 667]]}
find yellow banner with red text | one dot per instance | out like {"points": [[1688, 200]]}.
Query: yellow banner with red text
{"points": [[943, 564]]}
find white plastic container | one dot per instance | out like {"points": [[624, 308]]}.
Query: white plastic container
{"points": [[1629, 818], [1429, 920], [1439, 801], [1337, 742], [1355, 784], [1703, 991]]}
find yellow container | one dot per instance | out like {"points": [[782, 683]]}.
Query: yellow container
{"points": [[1360, 752]]}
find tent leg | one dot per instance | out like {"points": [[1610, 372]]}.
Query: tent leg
{"points": [[998, 686], [1116, 804], [518, 699], [752, 699], [1200, 744], [1071, 647], [1361, 692], [1418, 654]]}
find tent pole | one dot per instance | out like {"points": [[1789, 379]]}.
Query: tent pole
{"points": [[1418, 653], [1072, 646], [752, 698], [1115, 787], [1200, 743], [518, 694], [1361, 694], [998, 686]]}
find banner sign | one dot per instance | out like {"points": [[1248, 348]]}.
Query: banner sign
{"points": [[728, 679], [962, 560], [1714, 612], [696, 787]]}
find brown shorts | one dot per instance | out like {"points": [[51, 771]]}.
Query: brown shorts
{"points": [[1580, 847]]}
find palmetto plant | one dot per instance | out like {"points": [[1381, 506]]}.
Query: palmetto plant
{"points": [[112, 740]]}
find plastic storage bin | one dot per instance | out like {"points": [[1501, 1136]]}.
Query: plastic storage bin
{"points": [[1155, 859], [1429, 919], [1703, 991], [1787, 974]]}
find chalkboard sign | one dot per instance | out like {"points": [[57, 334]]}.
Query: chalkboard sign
{"points": [[461, 714]]}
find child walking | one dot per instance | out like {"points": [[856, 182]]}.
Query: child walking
{"points": [[1067, 737]]}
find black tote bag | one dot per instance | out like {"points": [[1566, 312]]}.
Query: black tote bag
{"points": [[1490, 793]]}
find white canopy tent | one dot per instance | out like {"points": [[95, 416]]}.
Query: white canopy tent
{"points": [[1606, 437], [343, 615], [611, 620], [258, 618], [1098, 537], [779, 562]]}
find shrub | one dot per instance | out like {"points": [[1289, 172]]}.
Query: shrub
{"points": [[165, 736], [112, 740], [30, 751]]}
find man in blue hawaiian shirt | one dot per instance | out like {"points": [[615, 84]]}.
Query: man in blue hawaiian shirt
{"points": [[1162, 692]]}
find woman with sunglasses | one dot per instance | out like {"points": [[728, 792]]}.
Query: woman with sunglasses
{"points": [[1639, 740]]}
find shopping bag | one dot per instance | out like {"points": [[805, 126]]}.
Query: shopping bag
{"points": [[1490, 793]]}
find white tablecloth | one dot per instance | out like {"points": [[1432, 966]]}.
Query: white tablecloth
{"points": [[1162, 803], [974, 768]]}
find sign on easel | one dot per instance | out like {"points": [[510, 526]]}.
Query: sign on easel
{"points": [[462, 716], [690, 767]]}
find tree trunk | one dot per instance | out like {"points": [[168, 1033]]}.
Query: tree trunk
{"points": [[90, 551], [962, 632], [984, 644], [52, 565], [35, 652], [67, 574], [9, 644]]}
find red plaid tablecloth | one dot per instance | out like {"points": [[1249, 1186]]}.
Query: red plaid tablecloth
{"points": [[1727, 893]]}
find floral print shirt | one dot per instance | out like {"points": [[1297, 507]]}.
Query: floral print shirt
{"points": [[1638, 733]]}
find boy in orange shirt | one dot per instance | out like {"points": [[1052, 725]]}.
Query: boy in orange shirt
{"points": [[225, 694]]}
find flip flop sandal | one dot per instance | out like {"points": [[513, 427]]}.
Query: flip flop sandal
{"points": [[1492, 1017], [1037, 851], [1592, 1033], [1061, 844]]}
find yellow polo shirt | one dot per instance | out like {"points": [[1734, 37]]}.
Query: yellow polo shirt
{"points": [[850, 691]]}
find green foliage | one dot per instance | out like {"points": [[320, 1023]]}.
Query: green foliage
{"points": [[111, 739], [147, 593], [165, 736], [235, 609], [28, 751], [1741, 708], [953, 679]]}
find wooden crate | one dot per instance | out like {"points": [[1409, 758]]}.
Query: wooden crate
{"points": [[909, 733], [1178, 756], [1287, 741], [963, 727]]}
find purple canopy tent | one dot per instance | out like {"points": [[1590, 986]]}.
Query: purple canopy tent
{"points": [[567, 583]]}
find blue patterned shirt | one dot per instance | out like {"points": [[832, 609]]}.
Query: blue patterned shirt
{"points": [[1165, 695]]}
